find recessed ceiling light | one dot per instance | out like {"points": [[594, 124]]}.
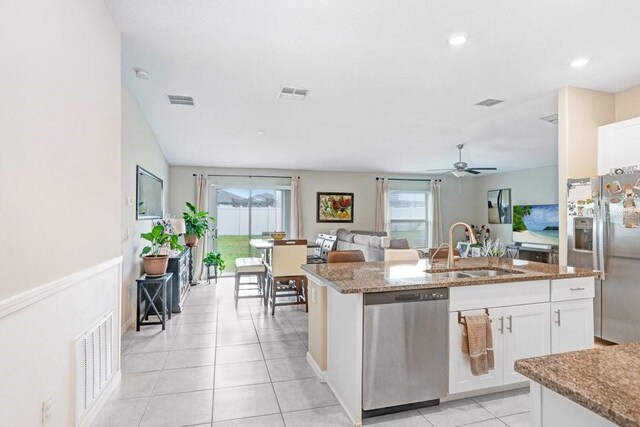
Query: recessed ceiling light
{"points": [[142, 74], [459, 38], [261, 132], [579, 62]]}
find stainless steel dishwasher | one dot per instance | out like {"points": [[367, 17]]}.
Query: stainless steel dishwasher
{"points": [[406, 350]]}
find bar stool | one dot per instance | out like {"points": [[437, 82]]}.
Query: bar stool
{"points": [[284, 276], [401, 255], [249, 267], [345, 256]]}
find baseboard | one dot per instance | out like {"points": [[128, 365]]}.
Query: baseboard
{"points": [[94, 410], [32, 296], [322, 375], [482, 392]]}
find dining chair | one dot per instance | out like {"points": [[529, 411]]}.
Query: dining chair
{"points": [[345, 256], [401, 255], [285, 277]]}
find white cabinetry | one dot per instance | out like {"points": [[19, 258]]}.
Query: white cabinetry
{"points": [[524, 323], [520, 317], [518, 332], [617, 145], [526, 334], [572, 314]]}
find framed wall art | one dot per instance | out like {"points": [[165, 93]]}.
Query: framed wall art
{"points": [[334, 207]]}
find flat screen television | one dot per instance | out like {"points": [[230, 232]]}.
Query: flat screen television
{"points": [[536, 224]]}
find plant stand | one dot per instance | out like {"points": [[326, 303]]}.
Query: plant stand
{"points": [[191, 266], [215, 274]]}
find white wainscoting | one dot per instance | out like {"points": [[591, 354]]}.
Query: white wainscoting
{"points": [[38, 329]]}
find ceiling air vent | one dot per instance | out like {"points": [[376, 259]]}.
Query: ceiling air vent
{"points": [[180, 100], [489, 102], [288, 92], [553, 118]]}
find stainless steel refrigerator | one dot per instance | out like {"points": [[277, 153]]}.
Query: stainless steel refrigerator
{"points": [[603, 235]]}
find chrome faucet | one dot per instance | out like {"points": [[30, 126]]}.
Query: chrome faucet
{"points": [[472, 238]]}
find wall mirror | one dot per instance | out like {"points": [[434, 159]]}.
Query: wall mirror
{"points": [[148, 195], [499, 205]]}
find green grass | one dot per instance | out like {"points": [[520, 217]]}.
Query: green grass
{"points": [[232, 247]]}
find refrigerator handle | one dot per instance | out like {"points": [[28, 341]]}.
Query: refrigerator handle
{"points": [[602, 237]]}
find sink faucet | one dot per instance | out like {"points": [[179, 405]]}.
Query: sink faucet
{"points": [[432, 259], [472, 238]]}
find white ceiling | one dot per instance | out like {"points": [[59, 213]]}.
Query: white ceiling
{"points": [[387, 92]]}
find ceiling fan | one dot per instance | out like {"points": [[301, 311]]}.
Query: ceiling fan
{"points": [[460, 168]]}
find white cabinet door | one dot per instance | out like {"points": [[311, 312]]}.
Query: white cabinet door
{"points": [[460, 377], [526, 334], [571, 325]]}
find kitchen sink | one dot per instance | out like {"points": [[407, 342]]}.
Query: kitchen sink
{"points": [[469, 274], [450, 275], [489, 273]]}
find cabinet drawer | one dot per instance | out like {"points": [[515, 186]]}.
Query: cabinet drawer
{"points": [[499, 295], [568, 289]]}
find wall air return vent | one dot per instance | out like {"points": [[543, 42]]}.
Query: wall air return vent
{"points": [[288, 92], [180, 100], [553, 118], [489, 102]]}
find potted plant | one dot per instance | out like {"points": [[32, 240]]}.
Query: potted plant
{"points": [[155, 263], [214, 259], [196, 224]]}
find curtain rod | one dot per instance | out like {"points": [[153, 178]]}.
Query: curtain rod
{"points": [[409, 179], [251, 176]]}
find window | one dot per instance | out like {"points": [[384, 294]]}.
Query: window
{"points": [[409, 216]]}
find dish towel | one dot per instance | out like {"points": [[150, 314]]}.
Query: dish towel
{"points": [[477, 343]]}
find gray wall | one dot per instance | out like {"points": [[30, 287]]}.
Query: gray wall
{"points": [[530, 186], [458, 197], [139, 147]]}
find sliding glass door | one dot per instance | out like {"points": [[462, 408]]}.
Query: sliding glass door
{"points": [[247, 213]]}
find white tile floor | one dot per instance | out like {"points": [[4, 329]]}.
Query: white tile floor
{"points": [[218, 365]]}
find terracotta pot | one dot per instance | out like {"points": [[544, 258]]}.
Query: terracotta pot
{"points": [[155, 265], [190, 240]]}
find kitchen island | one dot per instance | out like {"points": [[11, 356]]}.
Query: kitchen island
{"points": [[536, 309], [596, 387]]}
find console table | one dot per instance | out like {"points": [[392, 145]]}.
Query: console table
{"points": [[549, 256], [153, 292], [181, 283]]}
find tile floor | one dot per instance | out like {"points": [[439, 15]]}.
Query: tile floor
{"points": [[218, 365]]}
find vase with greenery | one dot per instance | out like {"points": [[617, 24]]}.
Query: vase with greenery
{"points": [[155, 261], [196, 224], [493, 248]]}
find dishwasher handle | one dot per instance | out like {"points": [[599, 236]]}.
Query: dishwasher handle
{"points": [[408, 297]]}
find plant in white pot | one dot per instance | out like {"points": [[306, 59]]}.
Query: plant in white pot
{"points": [[196, 224], [155, 261]]}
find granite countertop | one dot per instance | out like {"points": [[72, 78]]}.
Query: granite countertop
{"points": [[605, 380], [368, 277]]}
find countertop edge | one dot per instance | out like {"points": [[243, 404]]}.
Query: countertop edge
{"points": [[524, 368], [464, 282]]}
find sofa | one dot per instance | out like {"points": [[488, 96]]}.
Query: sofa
{"points": [[371, 243]]}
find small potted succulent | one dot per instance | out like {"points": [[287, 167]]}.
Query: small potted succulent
{"points": [[155, 261], [214, 259], [196, 224]]}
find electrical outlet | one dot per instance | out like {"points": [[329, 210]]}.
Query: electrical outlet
{"points": [[47, 407], [129, 201]]}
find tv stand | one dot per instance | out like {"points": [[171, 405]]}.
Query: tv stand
{"points": [[549, 256]]}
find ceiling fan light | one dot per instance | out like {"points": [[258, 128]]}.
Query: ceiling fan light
{"points": [[459, 174]]}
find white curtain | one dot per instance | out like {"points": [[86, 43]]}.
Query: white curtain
{"points": [[296, 209], [435, 214], [382, 205], [202, 204]]}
